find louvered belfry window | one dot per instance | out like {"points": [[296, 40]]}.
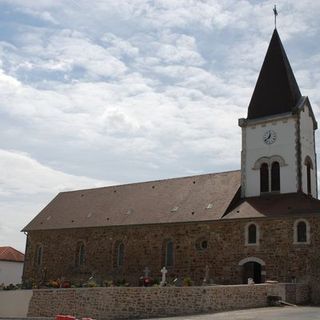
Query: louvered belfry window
{"points": [[264, 178], [275, 176]]}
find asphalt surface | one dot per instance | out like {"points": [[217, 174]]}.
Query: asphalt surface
{"points": [[270, 313], [274, 313]]}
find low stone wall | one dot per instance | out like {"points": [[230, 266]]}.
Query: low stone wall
{"points": [[138, 302], [14, 303], [296, 293]]}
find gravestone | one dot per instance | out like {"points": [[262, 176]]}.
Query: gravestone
{"points": [[146, 272], [206, 275], [163, 280]]}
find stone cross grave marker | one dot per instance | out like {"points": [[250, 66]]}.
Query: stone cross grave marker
{"points": [[146, 272], [163, 271], [206, 275]]}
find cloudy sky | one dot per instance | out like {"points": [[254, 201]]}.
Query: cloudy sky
{"points": [[100, 92]]}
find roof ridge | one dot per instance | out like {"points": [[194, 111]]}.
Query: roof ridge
{"points": [[150, 181], [8, 253]]}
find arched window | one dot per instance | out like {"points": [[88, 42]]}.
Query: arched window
{"points": [[308, 178], [252, 234], [275, 176], [80, 254], [309, 166], [169, 254], [38, 255], [120, 254], [264, 178], [301, 231], [269, 172]]}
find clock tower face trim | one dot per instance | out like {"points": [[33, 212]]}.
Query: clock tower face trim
{"points": [[269, 137]]}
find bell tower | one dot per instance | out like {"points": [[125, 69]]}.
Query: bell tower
{"points": [[278, 136]]}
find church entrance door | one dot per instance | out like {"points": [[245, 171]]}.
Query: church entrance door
{"points": [[252, 270]]}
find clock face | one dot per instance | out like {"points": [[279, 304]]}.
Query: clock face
{"points": [[269, 137]]}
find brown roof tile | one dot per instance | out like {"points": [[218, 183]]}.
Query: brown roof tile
{"points": [[275, 205], [11, 254], [164, 201]]}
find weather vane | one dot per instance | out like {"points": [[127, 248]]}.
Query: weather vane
{"points": [[275, 16]]}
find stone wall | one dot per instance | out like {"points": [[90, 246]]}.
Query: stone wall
{"points": [[14, 303], [296, 293], [315, 291], [138, 302], [144, 247]]}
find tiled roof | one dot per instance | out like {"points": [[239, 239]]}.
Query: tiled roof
{"points": [[276, 90], [11, 254], [275, 206], [197, 198]]}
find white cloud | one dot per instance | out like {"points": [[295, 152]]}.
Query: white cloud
{"points": [[25, 176], [43, 15], [69, 50], [119, 47], [26, 186]]}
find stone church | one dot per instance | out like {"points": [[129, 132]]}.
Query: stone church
{"points": [[260, 222]]}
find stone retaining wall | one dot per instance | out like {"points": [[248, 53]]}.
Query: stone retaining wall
{"points": [[138, 302], [14, 303], [296, 293]]}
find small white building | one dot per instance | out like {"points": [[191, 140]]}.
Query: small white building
{"points": [[11, 265]]}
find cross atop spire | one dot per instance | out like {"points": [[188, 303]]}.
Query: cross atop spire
{"points": [[275, 16]]}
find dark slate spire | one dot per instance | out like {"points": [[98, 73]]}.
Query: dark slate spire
{"points": [[276, 90]]}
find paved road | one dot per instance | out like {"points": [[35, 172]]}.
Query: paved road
{"points": [[271, 313]]}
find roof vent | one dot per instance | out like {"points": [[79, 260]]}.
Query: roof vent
{"points": [[209, 206], [89, 215], [130, 211], [174, 209], [48, 218]]}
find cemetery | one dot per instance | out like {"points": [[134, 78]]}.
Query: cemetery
{"points": [[152, 298]]}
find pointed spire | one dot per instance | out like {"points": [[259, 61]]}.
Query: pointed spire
{"points": [[276, 90]]}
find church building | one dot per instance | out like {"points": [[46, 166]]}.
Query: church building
{"points": [[260, 222]]}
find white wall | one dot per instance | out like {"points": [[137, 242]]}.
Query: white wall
{"points": [[307, 149], [15, 303], [10, 272], [284, 146]]}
